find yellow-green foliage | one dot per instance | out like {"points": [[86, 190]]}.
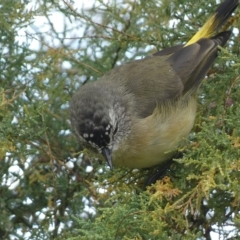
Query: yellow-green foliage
{"points": [[200, 192]]}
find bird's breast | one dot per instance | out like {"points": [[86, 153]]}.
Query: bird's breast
{"points": [[154, 140]]}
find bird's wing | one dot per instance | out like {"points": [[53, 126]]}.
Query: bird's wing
{"points": [[163, 78], [192, 62], [169, 50]]}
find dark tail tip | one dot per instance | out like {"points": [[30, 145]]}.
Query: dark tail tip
{"points": [[224, 11]]}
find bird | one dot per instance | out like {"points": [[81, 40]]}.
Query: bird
{"points": [[139, 113]]}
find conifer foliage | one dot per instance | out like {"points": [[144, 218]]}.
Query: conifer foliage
{"points": [[52, 188]]}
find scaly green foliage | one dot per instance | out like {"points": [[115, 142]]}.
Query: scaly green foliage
{"points": [[47, 191]]}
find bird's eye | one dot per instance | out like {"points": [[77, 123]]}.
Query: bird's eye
{"points": [[116, 129]]}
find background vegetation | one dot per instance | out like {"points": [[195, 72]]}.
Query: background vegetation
{"points": [[50, 187]]}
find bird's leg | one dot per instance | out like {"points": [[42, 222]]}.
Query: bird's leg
{"points": [[161, 170]]}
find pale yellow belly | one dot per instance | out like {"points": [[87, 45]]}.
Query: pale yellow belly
{"points": [[155, 139]]}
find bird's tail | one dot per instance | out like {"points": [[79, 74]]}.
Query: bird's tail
{"points": [[216, 21]]}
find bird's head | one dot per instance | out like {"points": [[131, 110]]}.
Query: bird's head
{"points": [[100, 119]]}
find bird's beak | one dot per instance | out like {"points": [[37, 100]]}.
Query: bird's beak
{"points": [[106, 152]]}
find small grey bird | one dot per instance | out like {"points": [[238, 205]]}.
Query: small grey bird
{"points": [[137, 114]]}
